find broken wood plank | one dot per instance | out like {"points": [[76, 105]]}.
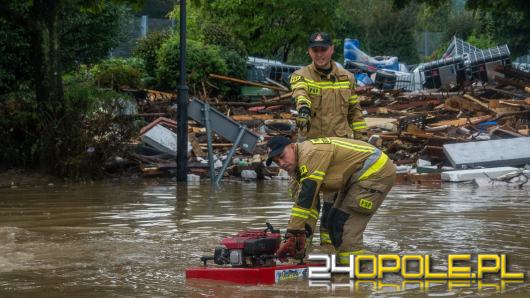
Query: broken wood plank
{"points": [[462, 121], [482, 104], [283, 96], [252, 104], [459, 103], [521, 85], [155, 95], [505, 92], [245, 82], [195, 145], [161, 120], [277, 84], [514, 73], [252, 117]]}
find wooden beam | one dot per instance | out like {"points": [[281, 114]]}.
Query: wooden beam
{"points": [[244, 82], [482, 104]]}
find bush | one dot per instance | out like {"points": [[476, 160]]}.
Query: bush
{"points": [[18, 122], [147, 47], [233, 51], [201, 61], [116, 72], [90, 131], [235, 63], [100, 131]]}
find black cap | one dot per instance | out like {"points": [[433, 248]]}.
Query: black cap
{"points": [[320, 39], [276, 146]]}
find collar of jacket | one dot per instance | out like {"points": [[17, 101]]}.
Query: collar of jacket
{"points": [[322, 75]]}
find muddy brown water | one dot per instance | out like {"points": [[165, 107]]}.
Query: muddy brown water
{"points": [[136, 238]]}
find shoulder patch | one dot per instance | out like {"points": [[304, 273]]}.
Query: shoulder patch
{"points": [[321, 141], [295, 78], [303, 170]]}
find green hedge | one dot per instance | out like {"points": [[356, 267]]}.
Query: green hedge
{"points": [[147, 47], [201, 61], [116, 72]]}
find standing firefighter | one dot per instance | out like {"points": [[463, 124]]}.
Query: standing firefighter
{"points": [[324, 95], [326, 103], [360, 173]]}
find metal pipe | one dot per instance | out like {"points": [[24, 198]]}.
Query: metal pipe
{"points": [[182, 104], [230, 154], [209, 138]]}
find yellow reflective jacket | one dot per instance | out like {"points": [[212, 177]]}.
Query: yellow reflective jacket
{"points": [[335, 109], [332, 164]]}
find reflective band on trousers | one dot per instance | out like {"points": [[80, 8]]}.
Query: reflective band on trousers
{"points": [[324, 238], [303, 213], [344, 257]]}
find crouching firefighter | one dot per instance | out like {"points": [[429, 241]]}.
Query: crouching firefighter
{"points": [[361, 175]]}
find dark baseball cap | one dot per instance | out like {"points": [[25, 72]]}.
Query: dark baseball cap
{"points": [[276, 146], [320, 39]]}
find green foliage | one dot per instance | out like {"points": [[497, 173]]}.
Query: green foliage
{"points": [[15, 67], [86, 36], [18, 122], [386, 32], [235, 63], [91, 122], [481, 41], [201, 60], [147, 47], [487, 22], [270, 29], [116, 72], [102, 131], [512, 27]]}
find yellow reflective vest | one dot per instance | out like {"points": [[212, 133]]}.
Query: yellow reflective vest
{"points": [[335, 109]]}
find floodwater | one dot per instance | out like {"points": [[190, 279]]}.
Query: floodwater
{"points": [[136, 238]]}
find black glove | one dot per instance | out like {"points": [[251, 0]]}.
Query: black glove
{"points": [[303, 120]]}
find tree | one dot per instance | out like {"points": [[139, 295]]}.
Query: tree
{"points": [[273, 28], [87, 35], [385, 32], [40, 19], [505, 21], [14, 61]]}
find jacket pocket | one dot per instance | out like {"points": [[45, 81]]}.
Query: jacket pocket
{"points": [[316, 103], [344, 100]]}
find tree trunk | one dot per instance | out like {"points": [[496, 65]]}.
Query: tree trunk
{"points": [[47, 78]]}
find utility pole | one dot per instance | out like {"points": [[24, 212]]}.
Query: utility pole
{"points": [[182, 104]]}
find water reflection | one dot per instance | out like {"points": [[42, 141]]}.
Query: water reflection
{"points": [[136, 238]]}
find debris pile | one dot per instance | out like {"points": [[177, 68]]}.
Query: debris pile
{"points": [[486, 113]]}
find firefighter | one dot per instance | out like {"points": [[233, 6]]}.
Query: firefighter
{"points": [[361, 175], [325, 97], [326, 103]]}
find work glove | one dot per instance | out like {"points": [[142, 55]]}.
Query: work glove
{"points": [[361, 136], [293, 246], [303, 120]]}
